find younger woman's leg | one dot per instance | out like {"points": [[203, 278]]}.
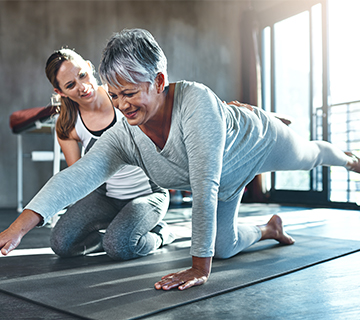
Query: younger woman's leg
{"points": [[232, 238], [128, 236], [292, 152], [77, 231]]}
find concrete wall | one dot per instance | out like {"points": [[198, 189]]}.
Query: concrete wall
{"points": [[200, 38]]}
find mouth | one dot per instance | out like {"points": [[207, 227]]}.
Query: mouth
{"points": [[131, 114], [87, 94]]}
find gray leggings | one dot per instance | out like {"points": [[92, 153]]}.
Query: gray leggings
{"points": [[291, 152], [127, 224]]}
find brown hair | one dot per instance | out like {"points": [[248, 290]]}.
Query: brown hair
{"points": [[69, 108]]}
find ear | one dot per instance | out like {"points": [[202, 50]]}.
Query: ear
{"points": [[160, 82], [59, 92]]}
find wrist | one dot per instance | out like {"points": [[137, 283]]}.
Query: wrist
{"points": [[203, 264], [27, 220]]}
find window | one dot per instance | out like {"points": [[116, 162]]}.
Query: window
{"points": [[310, 72], [344, 93]]}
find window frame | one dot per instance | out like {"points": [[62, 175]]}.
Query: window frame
{"points": [[268, 18]]}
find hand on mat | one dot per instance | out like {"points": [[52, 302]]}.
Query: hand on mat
{"points": [[239, 104], [195, 276], [11, 237], [9, 240]]}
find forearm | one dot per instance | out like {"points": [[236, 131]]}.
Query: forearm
{"points": [[11, 237], [204, 208], [72, 184], [63, 189], [26, 221]]}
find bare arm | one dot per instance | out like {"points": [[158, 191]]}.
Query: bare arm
{"points": [[11, 237], [70, 149]]}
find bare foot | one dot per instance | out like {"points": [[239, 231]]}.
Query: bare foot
{"points": [[274, 230], [353, 165]]}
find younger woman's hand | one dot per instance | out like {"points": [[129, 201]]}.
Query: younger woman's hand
{"points": [[239, 104]]}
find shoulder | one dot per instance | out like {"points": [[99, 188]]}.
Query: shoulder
{"points": [[191, 97], [190, 87], [73, 135], [79, 132], [190, 92]]}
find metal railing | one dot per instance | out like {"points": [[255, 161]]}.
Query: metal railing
{"points": [[344, 132]]}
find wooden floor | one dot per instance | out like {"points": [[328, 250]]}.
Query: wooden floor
{"points": [[330, 290]]}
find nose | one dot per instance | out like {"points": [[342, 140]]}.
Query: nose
{"points": [[122, 105], [82, 86]]}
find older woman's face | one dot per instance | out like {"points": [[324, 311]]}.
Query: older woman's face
{"points": [[138, 102]]}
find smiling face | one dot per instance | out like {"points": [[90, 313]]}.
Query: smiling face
{"points": [[139, 103], [76, 82]]}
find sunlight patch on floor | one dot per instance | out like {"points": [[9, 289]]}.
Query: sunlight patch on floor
{"points": [[28, 252]]}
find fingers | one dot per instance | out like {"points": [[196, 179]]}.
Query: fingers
{"points": [[8, 247], [192, 283], [170, 283], [183, 280], [239, 104], [8, 241], [167, 276]]}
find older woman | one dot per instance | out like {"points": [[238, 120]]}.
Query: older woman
{"points": [[183, 137]]}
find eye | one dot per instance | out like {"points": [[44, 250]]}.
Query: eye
{"points": [[82, 75], [113, 96], [129, 95], [70, 85]]}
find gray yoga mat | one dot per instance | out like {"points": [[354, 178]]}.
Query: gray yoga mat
{"points": [[125, 290]]}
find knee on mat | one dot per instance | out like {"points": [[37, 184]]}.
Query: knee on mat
{"points": [[59, 243], [63, 244], [117, 250], [60, 248], [222, 254]]}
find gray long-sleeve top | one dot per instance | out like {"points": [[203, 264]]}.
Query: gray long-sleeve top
{"points": [[213, 150]]}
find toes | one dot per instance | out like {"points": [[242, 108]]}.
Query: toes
{"points": [[287, 239], [281, 235]]}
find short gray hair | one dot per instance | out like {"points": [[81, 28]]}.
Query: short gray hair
{"points": [[132, 55]]}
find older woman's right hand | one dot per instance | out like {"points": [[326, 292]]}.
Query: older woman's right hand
{"points": [[9, 240]]}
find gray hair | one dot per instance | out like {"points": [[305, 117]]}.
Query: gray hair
{"points": [[132, 55]]}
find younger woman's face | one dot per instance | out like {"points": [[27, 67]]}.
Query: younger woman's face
{"points": [[77, 82]]}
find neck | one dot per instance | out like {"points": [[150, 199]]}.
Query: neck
{"points": [[158, 129], [97, 104]]}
